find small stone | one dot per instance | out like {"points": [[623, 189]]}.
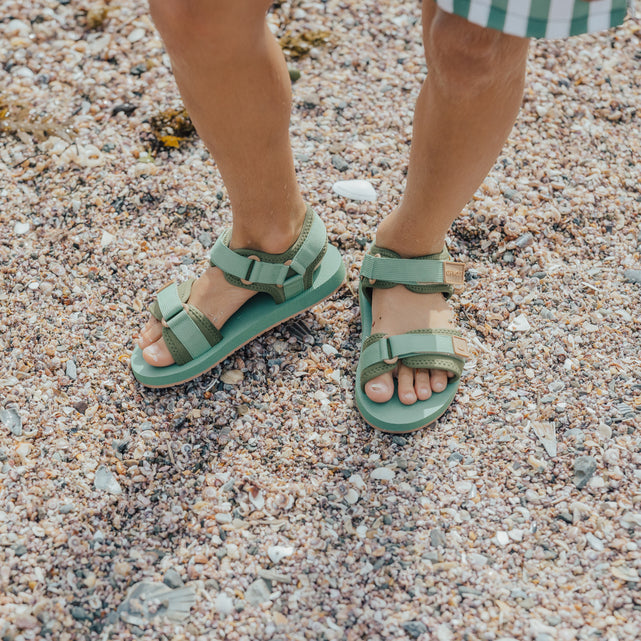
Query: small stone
{"points": [[357, 481], [20, 549], [454, 458], [339, 163], [584, 468], [516, 534], [399, 440], [136, 34], [437, 538], [106, 239], [311, 101], [11, 420], [232, 377], [329, 349], [463, 487], [594, 542], [519, 324], [258, 592], [547, 435], [105, 480], [274, 577], [21, 228], [71, 370], [294, 74], [352, 496], [415, 628], [633, 276], [80, 614], [524, 240], [278, 552], [224, 604], [625, 573], [630, 520], [443, 632], [204, 238], [502, 538], [66, 508], [122, 569], [173, 579], [382, 474]]}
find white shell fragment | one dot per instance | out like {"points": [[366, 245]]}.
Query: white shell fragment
{"points": [[382, 474], [547, 435], [146, 601], [520, 324], [355, 190], [277, 553], [21, 228], [105, 480], [11, 420]]}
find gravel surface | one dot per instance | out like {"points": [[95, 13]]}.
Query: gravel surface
{"points": [[254, 503]]}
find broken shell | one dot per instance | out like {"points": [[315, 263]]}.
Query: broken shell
{"points": [[355, 190]]}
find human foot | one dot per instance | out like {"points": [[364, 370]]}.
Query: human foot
{"points": [[213, 296], [397, 311]]}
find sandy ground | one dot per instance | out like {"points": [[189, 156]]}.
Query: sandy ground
{"points": [[258, 486]]}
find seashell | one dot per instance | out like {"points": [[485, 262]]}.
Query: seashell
{"points": [[520, 324], [277, 553], [256, 497], [355, 190], [146, 601], [546, 434]]}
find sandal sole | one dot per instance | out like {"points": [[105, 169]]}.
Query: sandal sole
{"points": [[256, 317]]}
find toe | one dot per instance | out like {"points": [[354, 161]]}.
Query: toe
{"points": [[157, 354], [438, 379], [380, 389], [422, 384], [406, 393], [150, 333]]}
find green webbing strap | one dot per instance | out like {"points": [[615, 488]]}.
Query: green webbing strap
{"points": [[259, 269], [404, 271], [180, 323], [407, 345]]}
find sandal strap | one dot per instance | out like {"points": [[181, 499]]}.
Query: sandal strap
{"points": [[280, 275], [383, 268], [425, 349], [188, 333]]}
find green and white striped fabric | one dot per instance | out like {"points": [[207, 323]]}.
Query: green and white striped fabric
{"points": [[540, 18]]}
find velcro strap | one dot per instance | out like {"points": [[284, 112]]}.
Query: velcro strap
{"points": [[310, 248], [410, 271], [393, 348], [180, 323]]}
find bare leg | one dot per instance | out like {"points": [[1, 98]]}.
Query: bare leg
{"points": [[464, 113], [234, 82]]}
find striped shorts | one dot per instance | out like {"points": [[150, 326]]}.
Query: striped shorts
{"points": [[540, 18]]}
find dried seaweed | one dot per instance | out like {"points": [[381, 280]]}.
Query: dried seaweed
{"points": [[96, 16], [170, 127], [300, 44], [21, 121]]}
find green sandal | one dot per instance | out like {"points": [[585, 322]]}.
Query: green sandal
{"points": [[443, 349], [289, 283]]}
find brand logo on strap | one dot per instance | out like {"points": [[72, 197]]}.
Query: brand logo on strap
{"points": [[459, 345], [453, 273]]}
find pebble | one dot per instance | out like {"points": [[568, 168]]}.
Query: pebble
{"points": [[258, 592], [11, 420], [382, 474], [71, 370], [339, 163], [105, 480], [352, 496], [224, 604], [502, 538], [232, 376], [172, 578], [21, 228], [329, 349], [524, 240], [205, 239], [584, 468], [594, 542], [630, 520], [415, 628], [437, 538], [633, 276]]}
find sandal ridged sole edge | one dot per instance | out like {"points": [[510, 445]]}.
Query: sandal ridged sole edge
{"points": [[258, 316]]}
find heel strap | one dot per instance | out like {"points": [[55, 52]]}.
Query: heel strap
{"points": [[282, 276]]}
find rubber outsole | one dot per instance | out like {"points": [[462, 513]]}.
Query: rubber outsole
{"points": [[256, 317]]}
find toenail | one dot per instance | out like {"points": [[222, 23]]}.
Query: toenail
{"points": [[153, 352], [439, 387], [377, 387]]}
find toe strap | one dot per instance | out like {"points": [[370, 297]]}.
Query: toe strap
{"points": [[422, 349], [187, 332]]}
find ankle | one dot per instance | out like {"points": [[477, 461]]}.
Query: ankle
{"points": [[406, 238], [270, 236]]}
